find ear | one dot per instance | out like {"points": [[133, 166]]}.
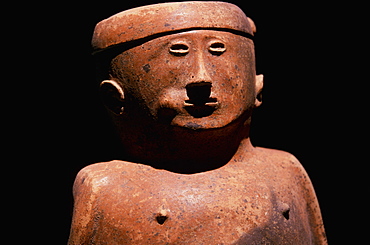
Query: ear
{"points": [[251, 23], [259, 86], [113, 96]]}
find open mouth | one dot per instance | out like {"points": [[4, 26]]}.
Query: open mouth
{"points": [[200, 111], [200, 104]]}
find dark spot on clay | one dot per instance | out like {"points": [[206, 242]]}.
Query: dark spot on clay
{"points": [[161, 219], [193, 125], [146, 68]]}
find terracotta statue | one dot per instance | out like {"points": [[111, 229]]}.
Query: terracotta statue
{"points": [[180, 84]]}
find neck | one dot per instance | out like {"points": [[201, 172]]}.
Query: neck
{"points": [[184, 150]]}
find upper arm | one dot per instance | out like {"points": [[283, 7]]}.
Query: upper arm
{"points": [[84, 193], [299, 184], [308, 192]]}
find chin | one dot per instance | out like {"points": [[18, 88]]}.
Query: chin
{"points": [[213, 121]]}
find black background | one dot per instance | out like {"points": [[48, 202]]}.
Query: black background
{"points": [[304, 110]]}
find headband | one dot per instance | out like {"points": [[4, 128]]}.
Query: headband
{"points": [[165, 18]]}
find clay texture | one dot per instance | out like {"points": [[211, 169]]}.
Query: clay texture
{"points": [[179, 82]]}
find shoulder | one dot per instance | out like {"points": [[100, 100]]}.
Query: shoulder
{"points": [[95, 176], [282, 162], [97, 170], [277, 157], [286, 168], [279, 154], [291, 176]]}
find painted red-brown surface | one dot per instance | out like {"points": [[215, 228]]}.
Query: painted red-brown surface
{"points": [[180, 90]]}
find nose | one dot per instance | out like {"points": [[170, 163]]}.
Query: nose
{"points": [[199, 89], [201, 74]]}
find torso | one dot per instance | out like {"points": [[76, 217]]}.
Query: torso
{"points": [[250, 202]]}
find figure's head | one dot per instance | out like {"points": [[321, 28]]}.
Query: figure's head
{"points": [[187, 65], [190, 64]]}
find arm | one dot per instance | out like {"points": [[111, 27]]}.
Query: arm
{"points": [[84, 197], [313, 208]]}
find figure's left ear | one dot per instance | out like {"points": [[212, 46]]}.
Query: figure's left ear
{"points": [[251, 23], [259, 87]]}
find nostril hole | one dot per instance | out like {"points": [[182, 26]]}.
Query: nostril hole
{"points": [[198, 93], [179, 49]]}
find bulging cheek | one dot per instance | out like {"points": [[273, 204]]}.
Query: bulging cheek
{"points": [[235, 97], [234, 84], [161, 89]]}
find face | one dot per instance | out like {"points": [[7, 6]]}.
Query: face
{"points": [[199, 79]]}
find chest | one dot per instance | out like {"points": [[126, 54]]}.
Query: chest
{"points": [[190, 194], [188, 209]]}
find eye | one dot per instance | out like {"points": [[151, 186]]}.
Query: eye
{"points": [[179, 49], [217, 48]]}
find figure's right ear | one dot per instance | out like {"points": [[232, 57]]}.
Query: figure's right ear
{"points": [[113, 96]]}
